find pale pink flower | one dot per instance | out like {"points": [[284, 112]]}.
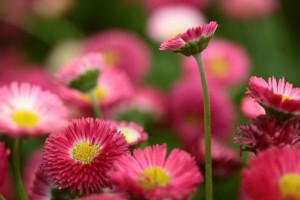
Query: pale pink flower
{"points": [[250, 108]]}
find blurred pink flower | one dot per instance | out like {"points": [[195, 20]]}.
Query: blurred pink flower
{"points": [[273, 175], [185, 104], [133, 133], [40, 187], [279, 97], [148, 174], [191, 42], [123, 50], [165, 23], [80, 156], [248, 9], [250, 108], [156, 4], [265, 132], [225, 160], [26, 110], [226, 62], [4, 154]]}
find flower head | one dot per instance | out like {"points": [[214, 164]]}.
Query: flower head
{"points": [[149, 174], [82, 73], [277, 98], [122, 50], [273, 175], [26, 110], [133, 133], [266, 132], [193, 41], [4, 153], [80, 156]]}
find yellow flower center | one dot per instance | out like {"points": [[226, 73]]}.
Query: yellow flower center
{"points": [[130, 134], [154, 177], [25, 118], [85, 152], [100, 93], [111, 57], [286, 97], [289, 186], [218, 67]]}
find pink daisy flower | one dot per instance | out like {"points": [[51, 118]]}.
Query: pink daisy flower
{"points": [[82, 73], [133, 133], [149, 174], [273, 175], [266, 132], [123, 50], [191, 42], [225, 62], [275, 97], [167, 16], [250, 108], [185, 106], [80, 156], [248, 9], [4, 153], [26, 110], [225, 160], [112, 87], [156, 4]]}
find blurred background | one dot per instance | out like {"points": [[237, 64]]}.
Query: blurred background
{"points": [[254, 37]]}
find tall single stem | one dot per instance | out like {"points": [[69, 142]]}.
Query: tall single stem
{"points": [[17, 172], [207, 129], [95, 104]]}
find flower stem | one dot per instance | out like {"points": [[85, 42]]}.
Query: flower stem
{"points": [[17, 172], [95, 104], [1, 197], [207, 129]]}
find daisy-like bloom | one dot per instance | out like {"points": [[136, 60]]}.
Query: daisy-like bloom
{"points": [[279, 99], [82, 73], [80, 155], [250, 108], [4, 153], [148, 174], [266, 132], [112, 87], [145, 106], [226, 62], [133, 133], [167, 16], [157, 4], [191, 42], [123, 50], [225, 160], [273, 175], [248, 9], [185, 106], [26, 110]]}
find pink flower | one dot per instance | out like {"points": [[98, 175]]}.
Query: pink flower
{"points": [[185, 105], [250, 108], [40, 188], [167, 16], [225, 160], [225, 62], [26, 110], [106, 196], [123, 50], [80, 156], [275, 97], [148, 174], [191, 42], [266, 132], [273, 175], [156, 4], [113, 86], [82, 73], [133, 133], [248, 9], [4, 153]]}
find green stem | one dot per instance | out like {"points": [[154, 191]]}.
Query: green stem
{"points": [[1, 197], [17, 172], [207, 129], [95, 104]]}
